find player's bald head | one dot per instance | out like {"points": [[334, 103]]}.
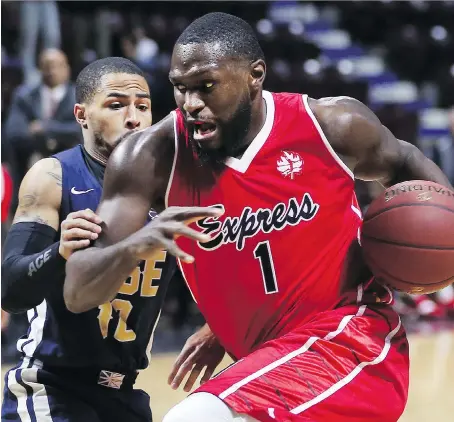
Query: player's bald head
{"points": [[234, 37]]}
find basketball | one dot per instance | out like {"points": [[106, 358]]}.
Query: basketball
{"points": [[408, 237]]}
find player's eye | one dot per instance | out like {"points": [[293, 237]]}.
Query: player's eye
{"points": [[207, 86], [115, 106], [180, 88], [142, 107]]}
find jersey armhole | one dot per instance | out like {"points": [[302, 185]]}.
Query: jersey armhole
{"points": [[61, 217], [172, 171], [324, 138]]}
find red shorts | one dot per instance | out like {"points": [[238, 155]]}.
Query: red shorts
{"points": [[349, 364]]}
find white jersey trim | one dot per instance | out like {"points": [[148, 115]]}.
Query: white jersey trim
{"points": [[324, 138], [175, 157], [245, 161], [150, 341]]}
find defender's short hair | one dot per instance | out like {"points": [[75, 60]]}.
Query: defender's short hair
{"points": [[236, 36], [89, 78]]}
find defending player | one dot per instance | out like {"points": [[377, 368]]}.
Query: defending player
{"points": [[269, 268], [81, 367]]}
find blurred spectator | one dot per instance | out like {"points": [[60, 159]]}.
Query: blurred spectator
{"points": [[41, 120], [146, 48], [37, 18]]}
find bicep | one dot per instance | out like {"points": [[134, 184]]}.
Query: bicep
{"points": [[40, 194], [127, 193], [122, 215], [135, 180]]}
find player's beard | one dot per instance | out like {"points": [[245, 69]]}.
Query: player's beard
{"points": [[233, 134], [102, 146]]}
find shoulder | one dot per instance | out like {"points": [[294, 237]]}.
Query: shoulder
{"points": [[345, 119], [143, 144], [146, 155], [343, 111]]}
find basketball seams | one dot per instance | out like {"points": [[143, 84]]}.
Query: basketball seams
{"points": [[415, 204], [391, 242], [385, 273]]}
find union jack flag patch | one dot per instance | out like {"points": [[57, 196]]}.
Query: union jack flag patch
{"points": [[110, 379]]}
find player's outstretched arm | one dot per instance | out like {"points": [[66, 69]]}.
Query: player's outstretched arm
{"points": [[34, 257], [135, 181], [368, 148]]}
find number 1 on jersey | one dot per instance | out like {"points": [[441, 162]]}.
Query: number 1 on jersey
{"points": [[262, 252]]}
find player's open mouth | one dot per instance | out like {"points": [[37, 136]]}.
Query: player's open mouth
{"points": [[204, 130]]}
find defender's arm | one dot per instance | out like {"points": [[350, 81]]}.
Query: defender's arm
{"points": [[34, 259], [368, 148]]}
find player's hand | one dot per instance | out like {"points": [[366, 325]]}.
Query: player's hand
{"points": [[160, 234], [202, 350], [78, 230]]}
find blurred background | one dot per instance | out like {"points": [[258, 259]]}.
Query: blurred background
{"points": [[397, 57]]}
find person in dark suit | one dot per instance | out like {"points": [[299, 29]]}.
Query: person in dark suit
{"points": [[41, 119]]}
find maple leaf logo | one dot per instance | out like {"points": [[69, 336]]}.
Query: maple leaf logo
{"points": [[290, 164]]}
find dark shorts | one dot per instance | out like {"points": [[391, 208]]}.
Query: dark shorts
{"points": [[35, 394]]}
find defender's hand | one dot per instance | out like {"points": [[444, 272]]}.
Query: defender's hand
{"points": [[201, 350], [170, 224], [78, 230]]}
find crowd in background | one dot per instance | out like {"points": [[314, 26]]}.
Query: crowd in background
{"points": [[396, 58]]}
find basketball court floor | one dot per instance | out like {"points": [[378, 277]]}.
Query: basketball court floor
{"points": [[431, 381]]}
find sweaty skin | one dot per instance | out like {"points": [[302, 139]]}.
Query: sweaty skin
{"points": [[205, 87]]}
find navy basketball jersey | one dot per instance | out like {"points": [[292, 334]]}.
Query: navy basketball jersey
{"points": [[116, 335]]}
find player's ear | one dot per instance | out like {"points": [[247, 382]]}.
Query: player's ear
{"points": [[80, 115], [257, 75]]}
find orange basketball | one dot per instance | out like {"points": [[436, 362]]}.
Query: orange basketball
{"points": [[408, 237]]}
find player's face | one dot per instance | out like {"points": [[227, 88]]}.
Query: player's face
{"points": [[213, 93], [121, 105]]}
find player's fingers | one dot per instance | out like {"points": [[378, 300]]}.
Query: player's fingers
{"points": [[190, 214], [81, 223], [192, 378], [185, 367], [184, 354], [87, 214], [76, 244], [174, 250], [182, 371], [77, 233], [207, 375], [178, 229]]}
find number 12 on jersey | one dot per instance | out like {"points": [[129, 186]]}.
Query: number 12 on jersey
{"points": [[262, 252]]}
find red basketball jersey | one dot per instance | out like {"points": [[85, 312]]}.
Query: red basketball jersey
{"points": [[276, 257]]}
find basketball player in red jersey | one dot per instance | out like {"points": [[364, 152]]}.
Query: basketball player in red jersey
{"points": [[257, 188]]}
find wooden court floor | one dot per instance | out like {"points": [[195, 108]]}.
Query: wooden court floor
{"points": [[431, 383]]}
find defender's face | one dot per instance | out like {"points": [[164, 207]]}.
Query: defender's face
{"points": [[212, 93], [121, 105]]}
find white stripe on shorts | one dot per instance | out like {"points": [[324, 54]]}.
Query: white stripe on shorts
{"points": [[344, 381], [345, 320], [39, 395]]}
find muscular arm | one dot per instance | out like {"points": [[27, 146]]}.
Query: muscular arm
{"points": [[368, 148], [30, 250], [135, 181]]}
